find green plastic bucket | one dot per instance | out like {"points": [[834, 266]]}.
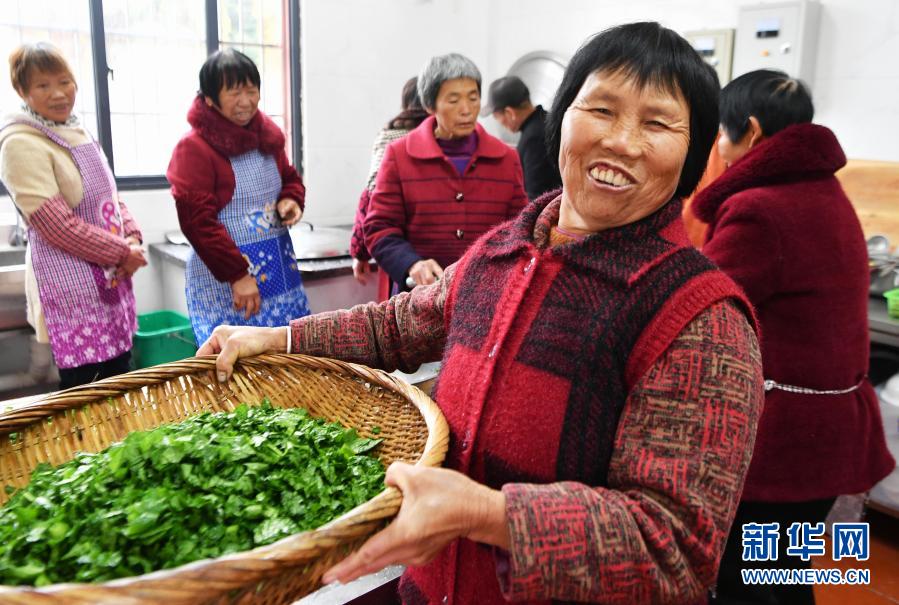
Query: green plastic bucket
{"points": [[162, 336], [892, 297]]}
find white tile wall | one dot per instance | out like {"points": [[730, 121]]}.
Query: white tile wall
{"points": [[155, 212]]}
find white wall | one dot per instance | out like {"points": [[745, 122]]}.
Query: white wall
{"points": [[357, 54], [155, 213], [856, 85]]}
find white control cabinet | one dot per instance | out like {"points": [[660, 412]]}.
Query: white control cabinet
{"points": [[778, 35], [716, 47]]}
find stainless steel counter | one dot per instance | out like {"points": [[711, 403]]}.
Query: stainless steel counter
{"points": [[329, 282], [12, 287], [883, 328], [319, 268]]}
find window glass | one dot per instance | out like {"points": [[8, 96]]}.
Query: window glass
{"points": [[154, 49], [256, 28]]}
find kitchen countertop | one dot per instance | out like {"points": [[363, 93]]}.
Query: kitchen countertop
{"points": [[883, 328], [311, 269]]}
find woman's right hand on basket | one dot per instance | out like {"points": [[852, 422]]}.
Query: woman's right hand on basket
{"points": [[231, 343], [245, 294]]}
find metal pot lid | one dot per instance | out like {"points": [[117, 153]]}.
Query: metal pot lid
{"points": [[310, 242], [542, 72]]}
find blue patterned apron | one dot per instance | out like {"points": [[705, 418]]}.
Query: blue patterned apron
{"points": [[251, 220]]}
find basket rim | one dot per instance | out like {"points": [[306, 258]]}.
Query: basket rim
{"points": [[262, 562]]}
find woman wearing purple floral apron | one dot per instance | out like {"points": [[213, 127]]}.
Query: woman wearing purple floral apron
{"points": [[83, 245], [237, 195]]}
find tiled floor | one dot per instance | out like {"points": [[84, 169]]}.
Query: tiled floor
{"points": [[883, 563]]}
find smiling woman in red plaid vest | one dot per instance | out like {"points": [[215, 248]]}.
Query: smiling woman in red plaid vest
{"points": [[601, 378]]}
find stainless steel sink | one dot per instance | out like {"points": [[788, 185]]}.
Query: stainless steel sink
{"points": [[10, 257], [12, 288]]}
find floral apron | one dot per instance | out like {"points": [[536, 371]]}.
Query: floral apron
{"points": [[89, 312], [251, 220]]}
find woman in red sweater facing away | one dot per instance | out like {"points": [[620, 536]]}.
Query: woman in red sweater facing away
{"points": [[781, 226]]}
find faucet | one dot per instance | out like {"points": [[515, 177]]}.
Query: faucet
{"points": [[18, 236]]}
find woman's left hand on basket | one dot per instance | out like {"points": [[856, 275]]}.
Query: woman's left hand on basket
{"points": [[289, 211], [234, 342], [439, 505]]}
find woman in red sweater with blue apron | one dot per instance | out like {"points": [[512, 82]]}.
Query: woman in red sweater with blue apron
{"points": [[236, 195]]}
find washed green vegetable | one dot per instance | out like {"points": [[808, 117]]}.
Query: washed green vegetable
{"points": [[208, 486]]}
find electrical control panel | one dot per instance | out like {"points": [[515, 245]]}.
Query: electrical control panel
{"points": [[716, 46], [778, 35]]}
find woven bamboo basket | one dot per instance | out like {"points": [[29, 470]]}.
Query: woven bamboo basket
{"points": [[91, 417]]}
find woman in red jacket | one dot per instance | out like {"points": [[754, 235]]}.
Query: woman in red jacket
{"points": [[444, 184], [782, 227], [399, 126], [236, 195]]}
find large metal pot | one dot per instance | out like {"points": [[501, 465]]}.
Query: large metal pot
{"points": [[311, 242]]}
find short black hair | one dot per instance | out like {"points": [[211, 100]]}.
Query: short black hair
{"points": [[655, 56], [774, 98], [508, 91], [229, 68]]}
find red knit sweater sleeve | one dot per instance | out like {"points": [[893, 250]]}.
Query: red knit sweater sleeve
{"points": [[192, 174], [357, 241], [402, 332], [291, 183], [682, 450], [57, 224], [129, 225]]}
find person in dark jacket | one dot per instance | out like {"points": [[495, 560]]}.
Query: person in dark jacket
{"points": [[781, 226], [510, 104], [444, 184]]}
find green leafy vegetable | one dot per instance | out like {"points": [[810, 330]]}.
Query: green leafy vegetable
{"points": [[214, 484]]}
